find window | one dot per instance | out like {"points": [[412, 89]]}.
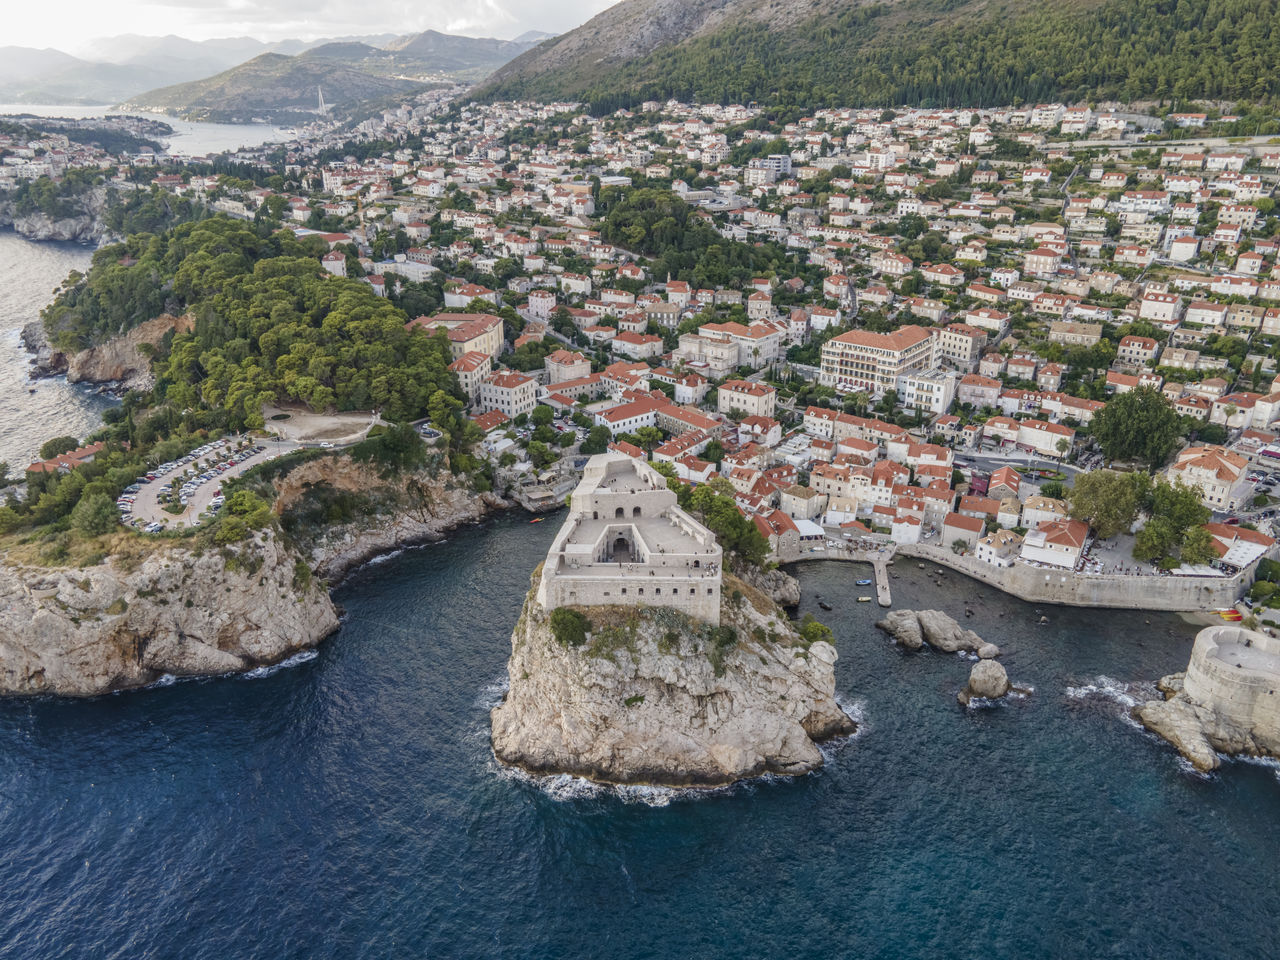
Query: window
{"points": [[619, 513]]}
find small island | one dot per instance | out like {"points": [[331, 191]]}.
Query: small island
{"points": [[639, 659]]}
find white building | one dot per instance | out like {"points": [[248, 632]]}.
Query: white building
{"points": [[626, 543]]}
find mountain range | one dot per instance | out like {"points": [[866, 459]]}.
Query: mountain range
{"points": [[126, 68], [812, 53]]}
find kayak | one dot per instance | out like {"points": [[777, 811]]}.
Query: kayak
{"points": [[536, 520], [863, 583]]}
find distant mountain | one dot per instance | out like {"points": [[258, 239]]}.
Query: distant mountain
{"points": [[533, 36], [133, 67], [445, 53], [812, 53], [272, 87]]}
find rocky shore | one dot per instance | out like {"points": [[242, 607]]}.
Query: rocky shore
{"points": [[137, 616], [1227, 701], [83, 226], [157, 607], [416, 509], [121, 363], [655, 697]]}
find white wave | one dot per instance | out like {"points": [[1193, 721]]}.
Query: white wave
{"points": [[1124, 695], [382, 558], [491, 695], [165, 680], [257, 673], [1189, 768], [1108, 688]]}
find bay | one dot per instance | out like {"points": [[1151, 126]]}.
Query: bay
{"points": [[189, 138], [348, 805]]}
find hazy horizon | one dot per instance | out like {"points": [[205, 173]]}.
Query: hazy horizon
{"points": [[81, 26]]}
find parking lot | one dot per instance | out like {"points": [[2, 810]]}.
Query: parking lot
{"points": [[194, 482]]}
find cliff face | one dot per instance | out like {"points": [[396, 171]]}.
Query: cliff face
{"points": [[125, 623], [652, 697], [393, 513], [85, 226], [120, 360]]}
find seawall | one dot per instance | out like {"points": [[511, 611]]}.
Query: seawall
{"points": [[1045, 585]]}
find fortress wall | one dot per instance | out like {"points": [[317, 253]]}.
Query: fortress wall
{"points": [[1043, 585], [698, 596], [1246, 695]]}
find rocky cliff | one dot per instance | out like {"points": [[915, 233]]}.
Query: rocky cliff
{"points": [[122, 360], [388, 513], [84, 226], [655, 697], [167, 609]]}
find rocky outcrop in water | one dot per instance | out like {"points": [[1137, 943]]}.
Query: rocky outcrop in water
{"points": [[1226, 702], [987, 680], [155, 609], [45, 361], [914, 628], [778, 585], [656, 697]]}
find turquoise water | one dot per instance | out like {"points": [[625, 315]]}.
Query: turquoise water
{"points": [[348, 806]]}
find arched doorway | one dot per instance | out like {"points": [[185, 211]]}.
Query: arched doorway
{"points": [[622, 550]]}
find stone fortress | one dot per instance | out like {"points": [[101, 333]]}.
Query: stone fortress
{"points": [[1227, 701], [625, 542]]}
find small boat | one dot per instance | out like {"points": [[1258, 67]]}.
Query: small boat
{"points": [[536, 520], [862, 583], [864, 599], [824, 605]]}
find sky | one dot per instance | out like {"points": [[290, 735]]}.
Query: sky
{"points": [[76, 23]]}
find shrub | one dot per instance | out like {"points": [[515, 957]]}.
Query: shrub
{"points": [[569, 627]]}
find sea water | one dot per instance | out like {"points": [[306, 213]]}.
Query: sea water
{"points": [[348, 805]]}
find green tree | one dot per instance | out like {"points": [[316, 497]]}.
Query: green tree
{"points": [[1139, 425], [540, 455], [95, 514], [57, 446], [649, 437], [597, 440], [1108, 500]]}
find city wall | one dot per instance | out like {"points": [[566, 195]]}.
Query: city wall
{"points": [[1045, 585]]}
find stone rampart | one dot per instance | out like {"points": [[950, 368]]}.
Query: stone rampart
{"points": [[1048, 585]]}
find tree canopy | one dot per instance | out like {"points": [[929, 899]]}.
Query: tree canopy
{"points": [[1138, 425]]}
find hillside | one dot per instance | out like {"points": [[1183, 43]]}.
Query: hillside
{"points": [[446, 53], [925, 52], [279, 87], [271, 86]]}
